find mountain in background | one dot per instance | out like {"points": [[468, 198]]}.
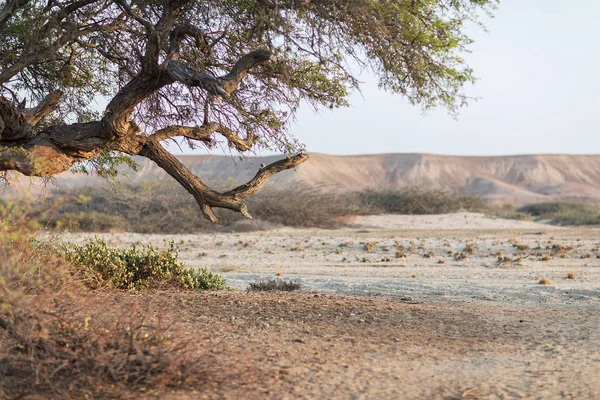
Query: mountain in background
{"points": [[501, 179]]}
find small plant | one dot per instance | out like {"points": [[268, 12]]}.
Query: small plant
{"points": [[571, 275], [273, 285], [545, 281], [202, 279], [400, 254], [470, 248], [370, 246], [137, 267]]}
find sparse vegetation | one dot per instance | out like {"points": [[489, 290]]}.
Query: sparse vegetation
{"points": [[54, 341], [273, 285], [562, 213], [571, 275], [164, 207]]}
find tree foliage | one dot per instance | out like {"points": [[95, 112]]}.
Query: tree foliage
{"points": [[202, 70]]}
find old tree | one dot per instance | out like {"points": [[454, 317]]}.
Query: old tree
{"points": [[205, 71]]}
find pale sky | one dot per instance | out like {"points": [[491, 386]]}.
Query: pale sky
{"points": [[538, 90]]}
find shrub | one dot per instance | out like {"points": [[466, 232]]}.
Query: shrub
{"points": [[136, 267], [562, 213], [202, 280], [273, 285], [421, 201]]}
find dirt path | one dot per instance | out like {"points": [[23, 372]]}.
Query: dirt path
{"points": [[316, 346]]}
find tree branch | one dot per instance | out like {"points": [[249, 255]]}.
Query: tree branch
{"points": [[180, 32], [203, 133], [196, 133], [180, 73], [9, 9], [257, 57], [16, 124], [224, 85], [205, 196], [34, 115], [263, 175]]}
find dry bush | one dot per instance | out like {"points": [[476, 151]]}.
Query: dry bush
{"points": [[273, 285], [56, 343], [422, 201], [564, 213], [370, 247], [165, 207], [470, 248], [306, 207]]}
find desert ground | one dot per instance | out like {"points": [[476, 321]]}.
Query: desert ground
{"points": [[393, 307]]}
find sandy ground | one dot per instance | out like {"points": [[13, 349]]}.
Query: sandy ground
{"points": [[450, 307]]}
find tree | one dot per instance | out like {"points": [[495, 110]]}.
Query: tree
{"points": [[192, 69]]}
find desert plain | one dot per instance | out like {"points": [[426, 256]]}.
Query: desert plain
{"points": [[456, 306]]}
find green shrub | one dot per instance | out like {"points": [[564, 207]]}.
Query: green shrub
{"points": [[137, 267], [202, 280]]}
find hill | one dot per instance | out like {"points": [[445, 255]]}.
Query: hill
{"points": [[502, 179]]}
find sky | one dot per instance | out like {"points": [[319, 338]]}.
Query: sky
{"points": [[538, 91]]}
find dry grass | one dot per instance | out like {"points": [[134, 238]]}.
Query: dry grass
{"points": [[544, 281], [57, 342], [571, 275]]}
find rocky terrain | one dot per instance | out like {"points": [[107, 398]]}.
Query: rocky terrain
{"points": [[457, 306]]}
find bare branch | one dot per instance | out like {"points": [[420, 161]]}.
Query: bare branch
{"points": [[263, 175], [205, 196]]}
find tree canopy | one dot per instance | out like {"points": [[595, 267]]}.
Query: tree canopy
{"points": [[209, 70]]}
